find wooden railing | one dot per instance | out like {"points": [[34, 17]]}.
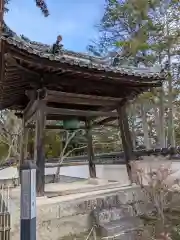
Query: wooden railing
{"points": [[5, 226], [112, 158], [118, 157], [5, 223]]}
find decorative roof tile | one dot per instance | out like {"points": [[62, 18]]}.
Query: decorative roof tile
{"points": [[78, 59]]}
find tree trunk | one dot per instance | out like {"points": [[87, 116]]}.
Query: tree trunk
{"points": [[145, 127], [57, 175], [162, 126], [132, 110], [171, 135], [133, 132], [157, 124], [62, 154]]}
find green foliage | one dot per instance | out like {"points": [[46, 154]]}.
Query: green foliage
{"points": [[176, 233], [3, 151], [39, 3], [147, 33], [127, 24], [53, 144], [138, 28]]}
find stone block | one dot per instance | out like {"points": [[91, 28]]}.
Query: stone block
{"points": [[56, 228], [57, 217], [141, 208], [115, 228], [97, 181]]}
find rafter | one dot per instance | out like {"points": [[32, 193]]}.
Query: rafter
{"points": [[74, 98], [78, 113]]}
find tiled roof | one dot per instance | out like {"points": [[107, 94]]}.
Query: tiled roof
{"points": [[78, 59]]}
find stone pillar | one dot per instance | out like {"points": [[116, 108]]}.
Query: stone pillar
{"points": [[28, 201]]}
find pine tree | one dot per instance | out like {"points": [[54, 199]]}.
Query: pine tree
{"points": [[39, 3], [147, 32]]}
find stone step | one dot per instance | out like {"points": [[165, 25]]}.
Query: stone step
{"points": [[54, 190], [127, 236], [125, 225]]}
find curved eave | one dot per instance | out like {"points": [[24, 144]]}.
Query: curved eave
{"points": [[83, 73], [26, 53]]}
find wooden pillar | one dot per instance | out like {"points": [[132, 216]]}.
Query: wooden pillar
{"points": [[39, 154], [126, 138], [26, 137], [23, 144], [90, 152], [31, 144]]}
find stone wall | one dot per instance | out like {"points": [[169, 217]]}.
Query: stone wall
{"points": [[57, 219]]}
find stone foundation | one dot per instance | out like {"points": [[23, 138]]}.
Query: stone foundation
{"points": [[65, 216]]}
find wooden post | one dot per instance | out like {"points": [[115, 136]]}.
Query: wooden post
{"points": [[31, 143], [126, 138], [26, 137], [22, 145], [92, 167], [39, 154]]}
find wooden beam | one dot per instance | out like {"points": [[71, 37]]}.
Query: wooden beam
{"points": [[50, 126], [27, 71], [107, 125], [62, 118], [56, 127], [110, 119], [13, 62], [30, 110], [104, 121], [108, 108], [96, 74], [74, 98], [79, 113], [30, 103], [36, 94], [31, 94]]}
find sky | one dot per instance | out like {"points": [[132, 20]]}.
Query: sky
{"points": [[75, 20]]}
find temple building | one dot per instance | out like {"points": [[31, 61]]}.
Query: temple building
{"points": [[42, 82]]}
